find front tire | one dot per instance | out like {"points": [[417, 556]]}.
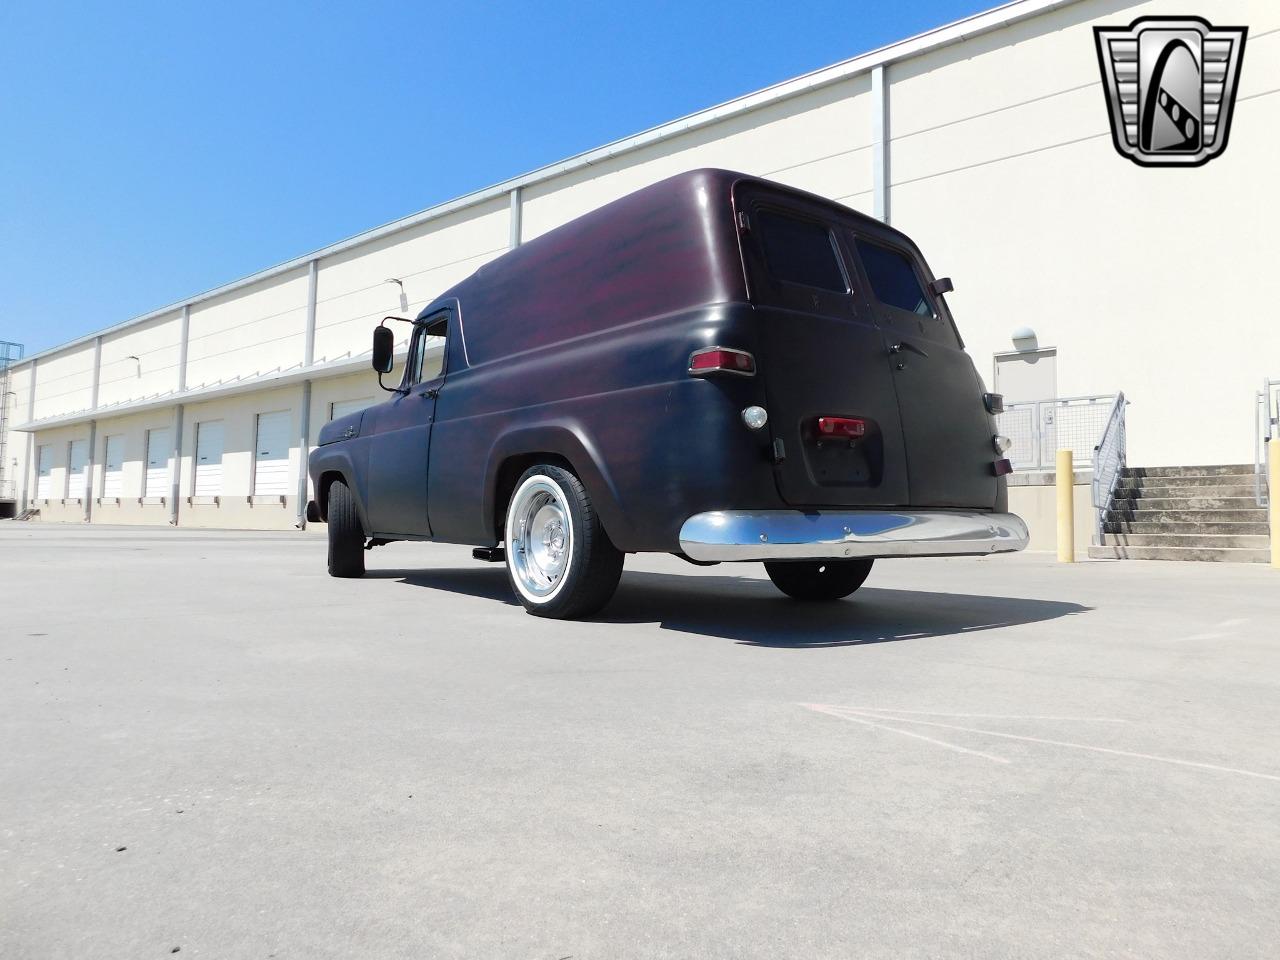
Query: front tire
{"points": [[346, 535], [560, 561], [818, 580]]}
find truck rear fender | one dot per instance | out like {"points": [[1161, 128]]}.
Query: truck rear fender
{"points": [[564, 441]]}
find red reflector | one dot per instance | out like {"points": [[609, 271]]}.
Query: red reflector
{"points": [[1002, 467], [841, 427], [721, 359]]}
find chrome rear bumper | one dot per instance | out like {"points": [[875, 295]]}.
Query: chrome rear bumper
{"points": [[835, 535]]}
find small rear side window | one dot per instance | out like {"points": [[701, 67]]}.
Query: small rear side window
{"points": [[801, 251], [893, 280]]}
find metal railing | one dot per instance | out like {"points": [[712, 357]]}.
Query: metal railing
{"points": [[1109, 459], [1266, 421], [1040, 428]]}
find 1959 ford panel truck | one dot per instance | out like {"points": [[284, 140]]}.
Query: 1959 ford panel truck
{"points": [[715, 366]]}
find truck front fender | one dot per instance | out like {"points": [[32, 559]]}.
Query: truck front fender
{"points": [[346, 461]]}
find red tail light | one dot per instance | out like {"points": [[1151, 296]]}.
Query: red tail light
{"points": [[848, 427], [721, 360], [1002, 467]]}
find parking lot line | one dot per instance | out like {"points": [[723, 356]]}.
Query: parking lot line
{"points": [[858, 716]]}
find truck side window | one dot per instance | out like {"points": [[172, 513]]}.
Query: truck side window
{"points": [[801, 251], [424, 338], [893, 279], [413, 362]]}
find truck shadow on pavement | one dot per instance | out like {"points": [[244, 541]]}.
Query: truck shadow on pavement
{"points": [[752, 612]]}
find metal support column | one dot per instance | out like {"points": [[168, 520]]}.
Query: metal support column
{"points": [[513, 239], [89, 470], [880, 142], [304, 414], [309, 343], [183, 339], [31, 443], [175, 475], [304, 439], [91, 459]]}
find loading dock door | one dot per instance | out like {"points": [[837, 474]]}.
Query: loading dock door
{"points": [[44, 471], [271, 455], [77, 469], [159, 446], [113, 467], [209, 459]]}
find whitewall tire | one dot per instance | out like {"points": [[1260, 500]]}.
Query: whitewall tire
{"points": [[560, 561]]}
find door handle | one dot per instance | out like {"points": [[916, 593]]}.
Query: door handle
{"points": [[904, 346], [429, 394]]}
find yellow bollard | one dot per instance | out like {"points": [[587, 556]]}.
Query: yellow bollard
{"points": [[1273, 497], [1066, 508]]}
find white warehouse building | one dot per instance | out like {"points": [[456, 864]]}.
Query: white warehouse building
{"points": [[988, 141]]}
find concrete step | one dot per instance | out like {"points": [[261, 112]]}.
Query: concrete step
{"points": [[1210, 554], [1151, 514], [1237, 528], [1144, 491], [1256, 542], [1185, 503], [1198, 471], [1203, 480]]}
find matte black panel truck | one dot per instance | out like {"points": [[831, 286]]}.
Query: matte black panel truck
{"points": [[715, 366]]}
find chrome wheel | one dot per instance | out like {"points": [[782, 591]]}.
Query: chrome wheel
{"points": [[539, 538]]}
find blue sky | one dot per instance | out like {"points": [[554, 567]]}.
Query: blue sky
{"points": [[155, 150]]}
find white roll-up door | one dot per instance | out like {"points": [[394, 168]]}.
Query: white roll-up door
{"points": [[271, 455], [77, 468], [113, 466], [159, 446], [340, 408], [209, 458], [44, 471]]}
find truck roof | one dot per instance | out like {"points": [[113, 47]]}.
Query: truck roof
{"points": [[668, 247]]}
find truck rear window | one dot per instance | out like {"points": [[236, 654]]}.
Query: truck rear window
{"points": [[801, 251], [893, 279]]}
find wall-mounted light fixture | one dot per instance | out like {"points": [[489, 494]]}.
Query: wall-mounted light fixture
{"points": [[404, 300], [1024, 339]]}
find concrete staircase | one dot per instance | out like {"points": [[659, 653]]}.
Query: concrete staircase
{"points": [[1185, 513]]}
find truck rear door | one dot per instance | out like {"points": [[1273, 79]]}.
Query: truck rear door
{"points": [[822, 357], [946, 430]]}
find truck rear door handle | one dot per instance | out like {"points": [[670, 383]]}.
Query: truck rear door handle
{"points": [[904, 346]]}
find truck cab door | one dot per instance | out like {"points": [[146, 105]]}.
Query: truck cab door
{"points": [[946, 430], [400, 445]]}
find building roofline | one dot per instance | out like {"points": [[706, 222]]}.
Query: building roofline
{"points": [[954, 32]]}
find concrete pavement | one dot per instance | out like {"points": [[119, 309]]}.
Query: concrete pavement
{"points": [[207, 744]]}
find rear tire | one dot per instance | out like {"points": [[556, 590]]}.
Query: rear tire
{"points": [[346, 535], [560, 562], [818, 580]]}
